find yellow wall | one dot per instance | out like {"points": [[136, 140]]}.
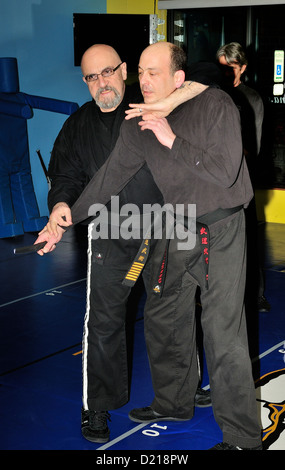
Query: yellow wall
{"points": [[138, 7], [270, 205], [134, 7]]}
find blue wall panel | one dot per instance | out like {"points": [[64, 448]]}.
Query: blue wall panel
{"points": [[39, 33]]}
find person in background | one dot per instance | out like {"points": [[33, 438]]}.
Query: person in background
{"points": [[233, 63], [81, 148]]}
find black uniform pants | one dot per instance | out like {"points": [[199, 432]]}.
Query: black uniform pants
{"points": [[171, 340], [105, 361]]}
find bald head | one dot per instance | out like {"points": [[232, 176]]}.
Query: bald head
{"points": [[96, 53], [168, 51], [107, 91], [161, 70]]}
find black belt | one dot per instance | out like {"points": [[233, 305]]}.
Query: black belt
{"points": [[202, 230], [219, 214]]}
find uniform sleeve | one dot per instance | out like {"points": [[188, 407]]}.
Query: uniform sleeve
{"points": [[65, 171], [216, 158], [124, 162]]}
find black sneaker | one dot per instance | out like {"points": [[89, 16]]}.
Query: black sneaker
{"points": [[203, 398], [148, 415], [263, 305], [225, 446], [94, 425]]}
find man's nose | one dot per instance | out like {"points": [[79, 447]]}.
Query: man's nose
{"points": [[143, 78], [102, 81]]}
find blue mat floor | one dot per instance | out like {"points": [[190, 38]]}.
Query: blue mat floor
{"points": [[41, 312]]}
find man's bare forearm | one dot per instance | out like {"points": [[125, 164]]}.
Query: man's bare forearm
{"points": [[164, 107], [187, 91]]}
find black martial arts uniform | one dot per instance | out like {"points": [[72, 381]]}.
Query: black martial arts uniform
{"points": [[82, 146], [204, 167]]}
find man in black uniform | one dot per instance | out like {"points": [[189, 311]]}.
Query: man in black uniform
{"points": [[81, 148]]}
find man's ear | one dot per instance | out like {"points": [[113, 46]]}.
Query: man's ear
{"points": [[124, 71], [179, 77], [243, 68]]}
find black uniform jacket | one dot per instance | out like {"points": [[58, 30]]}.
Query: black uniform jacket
{"points": [[83, 145]]}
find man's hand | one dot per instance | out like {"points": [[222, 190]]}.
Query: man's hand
{"points": [[52, 240], [161, 129], [159, 109], [60, 215]]}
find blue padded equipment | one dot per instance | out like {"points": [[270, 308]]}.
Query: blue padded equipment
{"points": [[19, 210]]}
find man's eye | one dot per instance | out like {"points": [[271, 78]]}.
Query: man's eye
{"points": [[91, 77]]}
